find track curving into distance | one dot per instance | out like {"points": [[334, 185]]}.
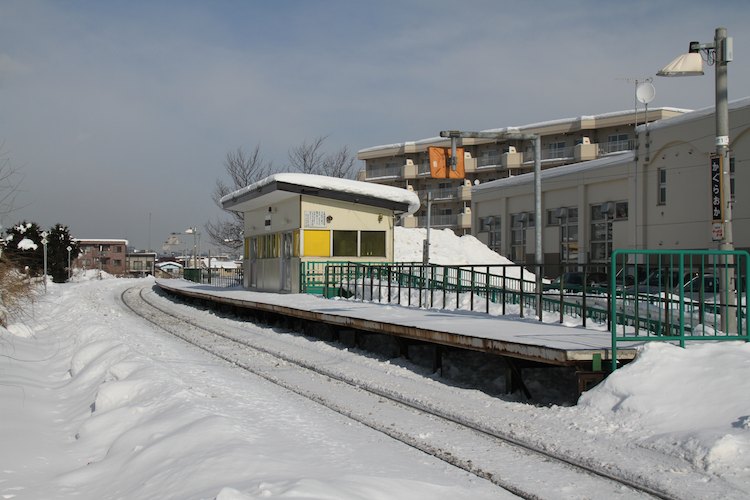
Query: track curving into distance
{"points": [[461, 442]]}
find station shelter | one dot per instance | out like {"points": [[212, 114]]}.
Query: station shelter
{"points": [[292, 220]]}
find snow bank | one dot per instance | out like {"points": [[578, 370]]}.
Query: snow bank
{"points": [[688, 402], [445, 248], [97, 405]]}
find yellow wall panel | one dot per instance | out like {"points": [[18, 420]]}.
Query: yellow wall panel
{"points": [[317, 243]]}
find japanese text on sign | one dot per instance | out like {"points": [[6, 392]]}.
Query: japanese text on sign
{"points": [[315, 218], [717, 196]]}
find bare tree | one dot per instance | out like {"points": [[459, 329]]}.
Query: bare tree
{"points": [[242, 169], [10, 180], [340, 164], [310, 158]]}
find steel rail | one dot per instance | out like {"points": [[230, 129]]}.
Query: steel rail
{"points": [[396, 399]]}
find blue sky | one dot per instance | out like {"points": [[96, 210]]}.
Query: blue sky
{"points": [[114, 110]]}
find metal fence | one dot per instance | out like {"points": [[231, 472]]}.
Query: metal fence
{"points": [[496, 289], [220, 278], [678, 296]]}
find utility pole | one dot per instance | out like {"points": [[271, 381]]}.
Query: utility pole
{"points": [[454, 135]]}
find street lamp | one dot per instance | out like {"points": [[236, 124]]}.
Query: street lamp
{"points": [[44, 244], [69, 248], [196, 243], [719, 53]]}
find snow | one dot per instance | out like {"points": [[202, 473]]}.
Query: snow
{"points": [[335, 184], [27, 244], [99, 404]]}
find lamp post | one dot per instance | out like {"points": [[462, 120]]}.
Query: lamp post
{"points": [[69, 248], [719, 53], [44, 244], [196, 246]]}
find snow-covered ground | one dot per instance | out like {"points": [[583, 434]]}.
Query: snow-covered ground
{"points": [[97, 403]]}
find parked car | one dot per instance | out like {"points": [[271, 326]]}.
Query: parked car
{"points": [[573, 282], [661, 281], [700, 287]]}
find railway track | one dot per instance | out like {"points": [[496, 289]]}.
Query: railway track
{"points": [[520, 467]]}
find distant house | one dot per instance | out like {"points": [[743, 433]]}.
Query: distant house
{"points": [[141, 264], [295, 219], [108, 255], [168, 269]]}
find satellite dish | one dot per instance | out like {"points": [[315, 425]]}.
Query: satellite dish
{"points": [[645, 92]]}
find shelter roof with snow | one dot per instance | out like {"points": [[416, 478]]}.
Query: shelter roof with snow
{"points": [[279, 187]]}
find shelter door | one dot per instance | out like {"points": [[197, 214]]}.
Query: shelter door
{"points": [[286, 261]]}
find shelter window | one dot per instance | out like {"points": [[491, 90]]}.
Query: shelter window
{"points": [[372, 243], [345, 243], [268, 246]]}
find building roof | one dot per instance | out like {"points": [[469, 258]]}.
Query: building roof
{"points": [[610, 160], [279, 187], [95, 241], [563, 125]]}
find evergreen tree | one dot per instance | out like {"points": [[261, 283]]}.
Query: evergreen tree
{"points": [[58, 241], [23, 247]]}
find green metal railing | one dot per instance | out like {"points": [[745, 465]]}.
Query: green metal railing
{"points": [[314, 278], [469, 287], [678, 296]]}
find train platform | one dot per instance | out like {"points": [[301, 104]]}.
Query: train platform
{"points": [[508, 336]]}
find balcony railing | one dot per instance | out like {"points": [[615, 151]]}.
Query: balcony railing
{"points": [[491, 160], [615, 146], [387, 171], [438, 220], [558, 153]]}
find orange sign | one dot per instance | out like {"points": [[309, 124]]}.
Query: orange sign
{"points": [[440, 167]]}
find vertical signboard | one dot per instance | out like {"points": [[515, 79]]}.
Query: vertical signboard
{"points": [[717, 199]]}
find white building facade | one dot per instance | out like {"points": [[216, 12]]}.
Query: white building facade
{"points": [[657, 196]]}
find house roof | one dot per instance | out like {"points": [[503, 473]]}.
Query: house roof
{"points": [[279, 187]]}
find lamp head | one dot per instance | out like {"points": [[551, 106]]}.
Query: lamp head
{"points": [[690, 64]]}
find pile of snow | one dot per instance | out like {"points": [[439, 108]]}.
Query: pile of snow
{"points": [[690, 403], [445, 248]]}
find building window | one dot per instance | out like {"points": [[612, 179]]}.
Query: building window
{"points": [[601, 231], [518, 222], [492, 226], [567, 219], [661, 198], [372, 244], [345, 243], [621, 210]]}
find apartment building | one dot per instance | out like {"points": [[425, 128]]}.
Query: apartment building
{"points": [[108, 255], [563, 142], [140, 264]]}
